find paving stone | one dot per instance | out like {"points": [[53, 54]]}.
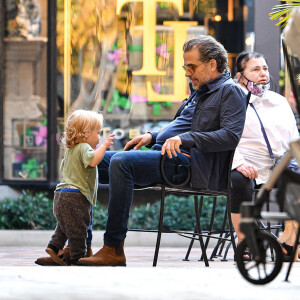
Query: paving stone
{"points": [[173, 278]]}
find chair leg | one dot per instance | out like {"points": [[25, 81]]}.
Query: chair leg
{"points": [[231, 230], [223, 244], [198, 224], [211, 224], [220, 241], [227, 248], [186, 258], [160, 225]]}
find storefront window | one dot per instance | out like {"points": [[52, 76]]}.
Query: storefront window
{"points": [[120, 57], [126, 56], [25, 90]]}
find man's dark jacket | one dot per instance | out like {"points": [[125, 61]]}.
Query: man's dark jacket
{"points": [[217, 127]]}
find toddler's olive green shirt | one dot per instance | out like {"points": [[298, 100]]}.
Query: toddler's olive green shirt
{"points": [[76, 171]]}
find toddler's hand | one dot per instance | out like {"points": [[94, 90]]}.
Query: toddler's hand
{"points": [[109, 140]]}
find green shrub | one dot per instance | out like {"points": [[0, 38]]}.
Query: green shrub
{"points": [[30, 211], [179, 214], [34, 211], [99, 217]]}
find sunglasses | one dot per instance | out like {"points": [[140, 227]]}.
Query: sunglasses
{"points": [[191, 68]]}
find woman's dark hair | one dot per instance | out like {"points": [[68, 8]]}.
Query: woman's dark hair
{"points": [[209, 48], [243, 58]]}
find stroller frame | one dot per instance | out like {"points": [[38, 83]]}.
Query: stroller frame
{"points": [[253, 211]]}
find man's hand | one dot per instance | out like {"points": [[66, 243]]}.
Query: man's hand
{"points": [[248, 170], [138, 141], [171, 146]]}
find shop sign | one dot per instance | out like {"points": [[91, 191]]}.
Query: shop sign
{"points": [[149, 48]]}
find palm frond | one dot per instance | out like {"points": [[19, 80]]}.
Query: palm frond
{"points": [[283, 12], [283, 21], [276, 15]]}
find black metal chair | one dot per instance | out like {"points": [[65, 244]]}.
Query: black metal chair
{"points": [[222, 234], [225, 234]]}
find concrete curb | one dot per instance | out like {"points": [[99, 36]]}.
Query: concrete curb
{"points": [[134, 239]]}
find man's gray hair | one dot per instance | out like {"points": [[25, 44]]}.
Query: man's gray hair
{"points": [[209, 48]]}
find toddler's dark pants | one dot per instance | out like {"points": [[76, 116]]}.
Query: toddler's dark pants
{"points": [[72, 211]]}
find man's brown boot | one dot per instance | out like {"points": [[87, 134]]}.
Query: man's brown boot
{"points": [[107, 256]]}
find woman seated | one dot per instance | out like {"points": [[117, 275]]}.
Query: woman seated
{"points": [[252, 161]]}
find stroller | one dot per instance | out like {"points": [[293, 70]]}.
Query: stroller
{"points": [[266, 252]]}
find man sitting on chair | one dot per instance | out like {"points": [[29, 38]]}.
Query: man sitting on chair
{"points": [[205, 131]]}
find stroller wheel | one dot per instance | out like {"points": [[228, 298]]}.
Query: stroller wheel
{"points": [[265, 269]]}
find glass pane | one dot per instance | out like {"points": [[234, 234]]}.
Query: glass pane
{"points": [[25, 92], [126, 57]]}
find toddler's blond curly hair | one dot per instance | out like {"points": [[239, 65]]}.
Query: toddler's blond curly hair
{"points": [[79, 125]]}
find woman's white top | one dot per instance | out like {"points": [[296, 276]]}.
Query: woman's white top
{"points": [[280, 126]]}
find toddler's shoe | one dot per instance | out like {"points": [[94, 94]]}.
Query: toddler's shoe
{"points": [[89, 252], [67, 253], [46, 261], [59, 259]]}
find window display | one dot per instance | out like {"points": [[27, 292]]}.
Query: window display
{"points": [[126, 57], [25, 90], [120, 57]]}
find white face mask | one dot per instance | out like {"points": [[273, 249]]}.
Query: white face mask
{"points": [[257, 89]]}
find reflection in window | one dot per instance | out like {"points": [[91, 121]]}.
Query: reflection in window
{"points": [[115, 67], [25, 90]]}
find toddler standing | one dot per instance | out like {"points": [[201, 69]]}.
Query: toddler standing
{"points": [[77, 191]]}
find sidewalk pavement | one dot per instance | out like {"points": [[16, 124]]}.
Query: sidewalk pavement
{"points": [[173, 278]]}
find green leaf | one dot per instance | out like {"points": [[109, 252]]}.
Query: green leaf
{"points": [[283, 9], [283, 20], [277, 14]]}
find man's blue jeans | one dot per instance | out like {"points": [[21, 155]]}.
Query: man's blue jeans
{"points": [[123, 171]]}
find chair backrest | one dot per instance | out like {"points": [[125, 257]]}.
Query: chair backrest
{"points": [[167, 181]]}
